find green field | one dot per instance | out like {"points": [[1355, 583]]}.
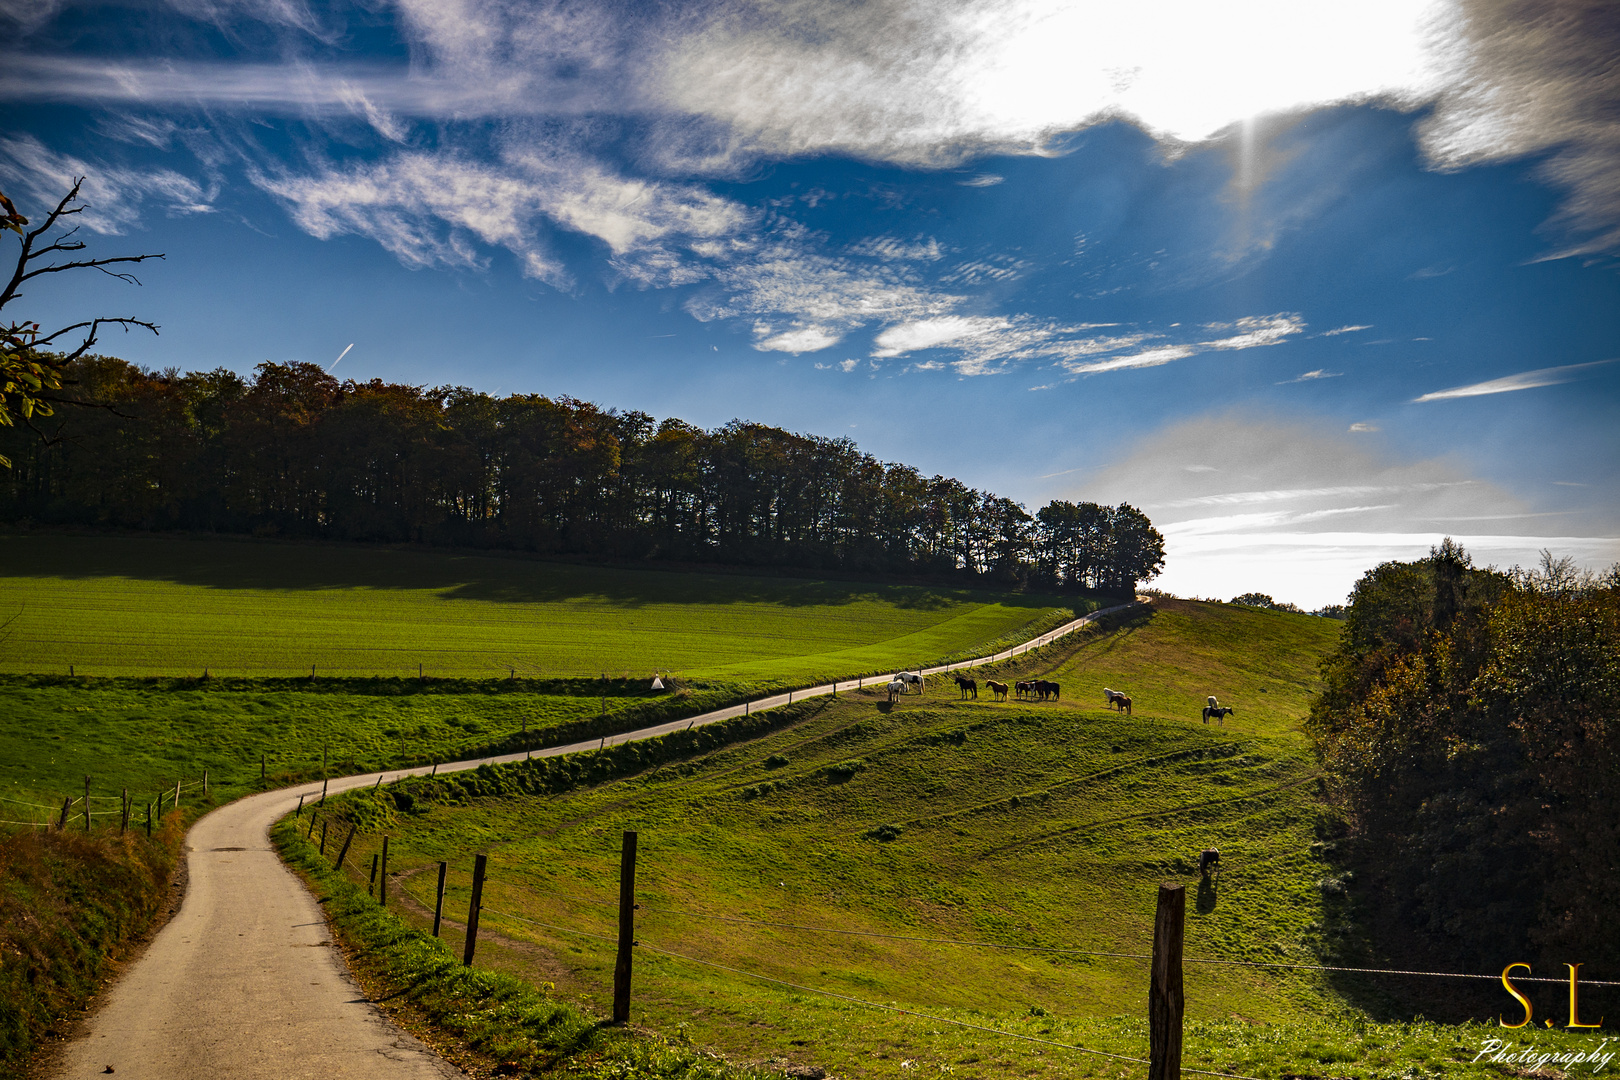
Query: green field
{"points": [[1024, 825], [139, 605]]}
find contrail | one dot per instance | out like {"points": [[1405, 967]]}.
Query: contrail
{"points": [[341, 355]]}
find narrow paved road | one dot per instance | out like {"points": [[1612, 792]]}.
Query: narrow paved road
{"points": [[244, 983]]}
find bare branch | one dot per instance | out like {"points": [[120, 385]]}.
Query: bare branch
{"points": [[89, 263], [90, 338]]}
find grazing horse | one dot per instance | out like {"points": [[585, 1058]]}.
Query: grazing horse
{"points": [[1044, 689], [997, 688], [1218, 712], [1124, 703], [910, 678], [967, 686], [1024, 688], [896, 688], [1209, 862], [1114, 698]]}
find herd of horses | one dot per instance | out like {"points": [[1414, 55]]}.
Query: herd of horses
{"points": [[1036, 690]]}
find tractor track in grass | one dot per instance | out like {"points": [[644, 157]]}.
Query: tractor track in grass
{"points": [[244, 981]]}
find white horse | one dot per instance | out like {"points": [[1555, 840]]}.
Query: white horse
{"points": [[896, 688], [908, 678]]}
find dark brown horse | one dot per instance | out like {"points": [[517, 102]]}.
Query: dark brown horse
{"points": [[967, 686]]}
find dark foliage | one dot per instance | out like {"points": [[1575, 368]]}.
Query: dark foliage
{"points": [[295, 452], [1471, 726]]}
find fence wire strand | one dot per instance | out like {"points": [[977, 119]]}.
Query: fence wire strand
{"points": [[549, 926], [921, 1015]]}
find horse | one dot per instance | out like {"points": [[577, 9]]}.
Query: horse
{"points": [[1124, 703], [997, 688], [911, 679], [896, 688], [967, 686], [1209, 861], [1024, 688], [1113, 698], [1046, 689], [1218, 712]]}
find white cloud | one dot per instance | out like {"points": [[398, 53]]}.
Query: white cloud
{"points": [[1524, 380], [932, 333], [1344, 330], [1363, 426], [982, 180], [113, 195], [1319, 373], [425, 208], [891, 249], [808, 339], [1315, 510]]}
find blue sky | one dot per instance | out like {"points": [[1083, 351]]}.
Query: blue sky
{"points": [[1314, 285]]}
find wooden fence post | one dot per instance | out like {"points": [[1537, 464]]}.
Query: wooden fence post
{"points": [[261, 771], [149, 821], [123, 816], [382, 881], [205, 781], [177, 793], [345, 851], [300, 811], [1165, 999], [627, 929], [87, 805], [311, 830], [323, 833], [371, 882], [67, 804], [323, 787], [438, 904], [479, 865]]}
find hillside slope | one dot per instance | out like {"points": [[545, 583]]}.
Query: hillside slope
{"points": [[1024, 825]]}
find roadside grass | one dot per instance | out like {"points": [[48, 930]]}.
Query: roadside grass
{"points": [[170, 606], [144, 734], [70, 907], [1029, 826]]}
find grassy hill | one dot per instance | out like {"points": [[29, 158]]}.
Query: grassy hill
{"points": [[856, 850], [138, 605], [1025, 825]]}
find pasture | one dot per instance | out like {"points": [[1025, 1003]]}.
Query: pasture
{"points": [[172, 606], [823, 854]]}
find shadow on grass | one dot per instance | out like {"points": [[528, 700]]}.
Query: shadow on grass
{"points": [[277, 565]]}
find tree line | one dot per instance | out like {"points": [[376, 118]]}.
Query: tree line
{"points": [[293, 451], [1470, 726]]}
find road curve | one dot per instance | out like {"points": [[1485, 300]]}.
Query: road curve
{"points": [[244, 981]]}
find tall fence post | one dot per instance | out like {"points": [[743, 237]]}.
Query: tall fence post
{"points": [[479, 865], [371, 882], [123, 816], [323, 833], [87, 805], [345, 851], [149, 821], [438, 903], [1165, 1001], [627, 929], [382, 881], [323, 785]]}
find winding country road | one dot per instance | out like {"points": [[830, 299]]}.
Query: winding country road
{"points": [[244, 982]]}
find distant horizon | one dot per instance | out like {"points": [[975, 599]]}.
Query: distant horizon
{"points": [[1313, 288]]}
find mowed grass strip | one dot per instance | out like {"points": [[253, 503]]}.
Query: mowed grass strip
{"points": [[136, 605], [1021, 824]]}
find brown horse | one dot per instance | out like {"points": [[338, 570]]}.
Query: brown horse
{"points": [[997, 688], [967, 686]]}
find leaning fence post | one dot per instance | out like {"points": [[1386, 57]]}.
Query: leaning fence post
{"points": [[1165, 1001], [343, 853], [382, 880], [205, 781], [323, 788], [311, 831], [627, 929], [177, 794], [438, 904], [300, 811], [323, 833], [87, 805], [67, 804], [371, 882], [473, 905]]}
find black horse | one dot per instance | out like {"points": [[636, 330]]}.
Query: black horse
{"points": [[1217, 712], [967, 686]]}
